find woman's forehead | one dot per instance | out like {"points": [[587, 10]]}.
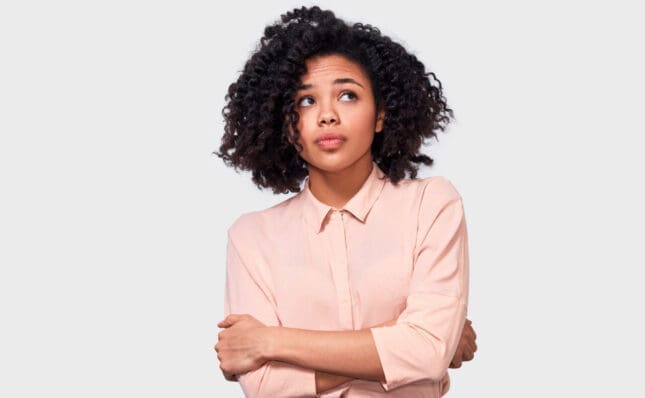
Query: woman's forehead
{"points": [[331, 69]]}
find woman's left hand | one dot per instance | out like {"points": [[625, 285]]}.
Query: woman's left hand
{"points": [[242, 346], [467, 345]]}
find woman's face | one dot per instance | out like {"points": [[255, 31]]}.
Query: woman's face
{"points": [[335, 97]]}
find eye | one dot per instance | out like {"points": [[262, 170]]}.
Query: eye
{"points": [[299, 103], [350, 94]]}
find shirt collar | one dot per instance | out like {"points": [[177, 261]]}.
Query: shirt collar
{"points": [[359, 205]]}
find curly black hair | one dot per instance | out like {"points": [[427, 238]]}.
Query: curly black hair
{"points": [[260, 104]]}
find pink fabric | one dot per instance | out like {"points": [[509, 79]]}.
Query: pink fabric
{"points": [[393, 251]]}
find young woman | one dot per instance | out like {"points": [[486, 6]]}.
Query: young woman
{"points": [[357, 286]]}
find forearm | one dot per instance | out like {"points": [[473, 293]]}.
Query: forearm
{"points": [[327, 381], [337, 356], [346, 353]]}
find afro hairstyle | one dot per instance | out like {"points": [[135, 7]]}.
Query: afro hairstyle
{"points": [[260, 105]]}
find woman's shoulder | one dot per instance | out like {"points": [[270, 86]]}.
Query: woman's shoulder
{"points": [[441, 185], [434, 195], [434, 186], [256, 221]]}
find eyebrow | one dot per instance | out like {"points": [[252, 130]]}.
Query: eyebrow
{"points": [[337, 81]]}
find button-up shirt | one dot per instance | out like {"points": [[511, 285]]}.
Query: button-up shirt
{"points": [[393, 251]]}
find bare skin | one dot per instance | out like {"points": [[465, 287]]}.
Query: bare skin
{"points": [[346, 109]]}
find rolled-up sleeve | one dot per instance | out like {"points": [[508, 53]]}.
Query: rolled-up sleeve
{"points": [[424, 339], [247, 293]]}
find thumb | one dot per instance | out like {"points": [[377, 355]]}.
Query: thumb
{"points": [[228, 321]]}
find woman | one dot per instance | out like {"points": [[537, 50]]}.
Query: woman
{"points": [[358, 285]]}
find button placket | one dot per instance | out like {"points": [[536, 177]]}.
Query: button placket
{"points": [[343, 290]]}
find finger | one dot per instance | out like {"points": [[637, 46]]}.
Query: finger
{"points": [[229, 320], [465, 353], [230, 376], [468, 356], [471, 347], [469, 330], [456, 359], [463, 344], [472, 331]]}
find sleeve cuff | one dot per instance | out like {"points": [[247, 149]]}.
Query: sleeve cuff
{"points": [[403, 363], [383, 338]]}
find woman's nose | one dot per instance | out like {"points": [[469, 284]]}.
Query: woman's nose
{"points": [[327, 115], [328, 119]]}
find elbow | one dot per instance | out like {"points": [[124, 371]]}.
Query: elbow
{"points": [[437, 365], [435, 373], [436, 359], [278, 380], [439, 347], [251, 386], [258, 388], [411, 353], [252, 390]]}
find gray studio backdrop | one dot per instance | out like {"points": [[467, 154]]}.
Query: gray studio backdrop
{"points": [[113, 212]]}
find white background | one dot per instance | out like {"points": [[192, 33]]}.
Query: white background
{"points": [[113, 212]]}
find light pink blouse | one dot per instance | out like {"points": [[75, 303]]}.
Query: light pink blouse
{"points": [[393, 251]]}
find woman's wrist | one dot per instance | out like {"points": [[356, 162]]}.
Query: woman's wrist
{"points": [[270, 349]]}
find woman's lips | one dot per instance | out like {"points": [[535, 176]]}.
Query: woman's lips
{"points": [[330, 143]]}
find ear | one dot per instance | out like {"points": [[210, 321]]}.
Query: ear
{"points": [[380, 118]]}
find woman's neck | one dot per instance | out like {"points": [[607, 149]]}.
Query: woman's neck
{"points": [[337, 188]]}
